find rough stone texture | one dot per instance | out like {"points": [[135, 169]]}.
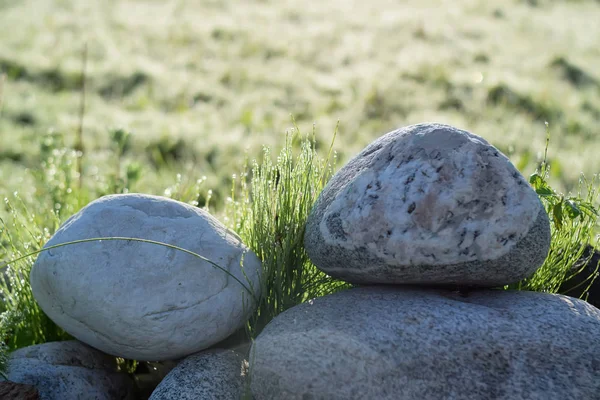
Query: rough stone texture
{"points": [[428, 204], [213, 374], [144, 301], [69, 370], [415, 343], [18, 391]]}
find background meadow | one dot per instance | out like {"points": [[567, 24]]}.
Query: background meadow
{"points": [[199, 83], [177, 98]]}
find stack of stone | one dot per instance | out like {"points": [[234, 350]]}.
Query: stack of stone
{"points": [[427, 221]]}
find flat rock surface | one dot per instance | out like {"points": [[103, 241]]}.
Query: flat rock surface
{"points": [[428, 204], [69, 370], [145, 301], [216, 374], [414, 343]]}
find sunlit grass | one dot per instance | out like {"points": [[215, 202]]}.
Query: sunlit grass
{"points": [[270, 200], [268, 207], [195, 96], [574, 226]]}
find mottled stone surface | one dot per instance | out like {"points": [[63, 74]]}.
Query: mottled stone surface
{"points": [[144, 301], [212, 374], [428, 204], [69, 370], [400, 342]]}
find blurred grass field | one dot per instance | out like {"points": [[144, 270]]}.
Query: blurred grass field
{"points": [[180, 96], [200, 83]]}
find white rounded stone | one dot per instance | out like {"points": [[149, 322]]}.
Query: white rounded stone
{"points": [[428, 204], [145, 301]]}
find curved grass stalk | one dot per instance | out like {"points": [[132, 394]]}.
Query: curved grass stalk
{"points": [[118, 238]]}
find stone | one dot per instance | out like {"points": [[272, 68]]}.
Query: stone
{"points": [[145, 301], [12, 390], [69, 370], [402, 342], [582, 279], [428, 204], [212, 374]]}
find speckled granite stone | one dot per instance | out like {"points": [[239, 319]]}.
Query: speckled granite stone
{"points": [[428, 204], [212, 374], [399, 342]]}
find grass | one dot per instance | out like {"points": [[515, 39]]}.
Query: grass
{"points": [[269, 202], [269, 212], [268, 207], [195, 96], [573, 223], [191, 98]]}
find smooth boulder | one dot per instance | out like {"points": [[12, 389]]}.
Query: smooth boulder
{"points": [[145, 301], [70, 370], [428, 204], [393, 343]]}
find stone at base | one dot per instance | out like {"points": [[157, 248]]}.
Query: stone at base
{"points": [[69, 370], [390, 343]]}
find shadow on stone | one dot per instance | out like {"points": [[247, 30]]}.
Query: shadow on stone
{"points": [[584, 275]]}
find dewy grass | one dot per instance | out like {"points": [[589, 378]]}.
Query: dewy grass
{"points": [[269, 204], [573, 223], [268, 208], [23, 321]]}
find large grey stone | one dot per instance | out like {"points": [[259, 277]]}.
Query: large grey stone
{"points": [[69, 370], [428, 204], [144, 301], [415, 343], [212, 374]]}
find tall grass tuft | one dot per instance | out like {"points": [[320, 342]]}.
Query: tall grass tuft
{"points": [[23, 322], [270, 201], [573, 224], [268, 208]]}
